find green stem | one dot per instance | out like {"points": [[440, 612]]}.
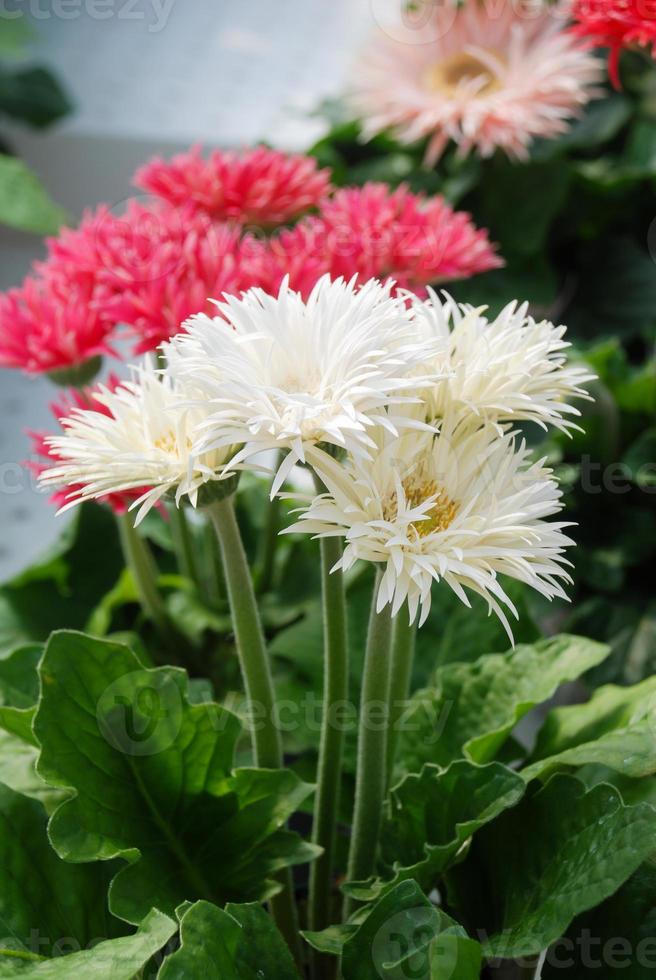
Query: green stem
{"points": [[335, 694], [530, 968], [371, 772], [183, 543], [140, 561], [266, 558], [403, 652], [258, 682]]}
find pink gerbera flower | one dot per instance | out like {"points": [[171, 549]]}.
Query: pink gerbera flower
{"points": [[259, 186], [616, 24], [48, 325], [152, 267], [483, 75], [375, 233], [46, 456]]}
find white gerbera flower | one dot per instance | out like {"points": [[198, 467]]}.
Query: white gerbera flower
{"points": [[142, 436], [463, 506], [284, 373], [509, 369]]}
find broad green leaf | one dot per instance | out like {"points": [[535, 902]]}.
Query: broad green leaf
{"points": [[66, 584], [33, 96], [46, 904], [473, 708], [238, 943], [429, 816], [18, 771], [114, 959], [547, 860], [403, 935], [19, 690], [153, 783], [24, 203], [616, 939], [610, 708], [519, 201], [614, 729]]}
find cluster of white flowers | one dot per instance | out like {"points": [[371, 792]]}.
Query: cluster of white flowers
{"points": [[404, 409]]}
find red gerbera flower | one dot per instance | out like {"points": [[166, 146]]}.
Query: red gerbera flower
{"points": [[616, 24], [259, 186]]}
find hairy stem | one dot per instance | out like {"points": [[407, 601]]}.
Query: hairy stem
{"points": [[371, 773], [139, 559], [258, 682], [335, 694], [403, 652]]}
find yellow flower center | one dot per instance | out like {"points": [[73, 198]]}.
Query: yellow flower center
{"points": [[446, 76], [168, 443], [438, 517]]}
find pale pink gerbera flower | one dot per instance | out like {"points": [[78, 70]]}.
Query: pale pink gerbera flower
{"points": [[483, 75], [374, 233], [259, 186]]}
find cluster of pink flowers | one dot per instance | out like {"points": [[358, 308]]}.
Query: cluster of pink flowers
{"points": [[616, 24], [44, 456], [147, 269]]}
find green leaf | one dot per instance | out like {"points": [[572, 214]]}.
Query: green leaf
{"points": [[33, 96], [153, 783], [472, 708], [614, 729], [15, 33], [617, 937], [238, 943], [66, 584], [431, 815], [640, 459], [24, 204], [18, 771], [524, 888], [19, 690], [518, 202], [115, 959], [601, 121], [44, 900], [404, 935]]}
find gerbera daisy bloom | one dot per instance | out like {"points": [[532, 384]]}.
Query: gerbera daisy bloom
{"points": [[284, 373], [509, 369], [374, 232], [463, 506], [151, 267], [143, 438], [259, 186], [616, 24], [484, 78], [50, 326], [82, 399]]}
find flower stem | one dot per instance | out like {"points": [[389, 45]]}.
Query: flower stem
{"points": [[335, 691], [139, 559], [265, 564], [183, 543], [371, 772], [403, 652], [258, 682]]}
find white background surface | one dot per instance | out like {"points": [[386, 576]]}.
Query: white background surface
{"points": [[154, 77]]}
